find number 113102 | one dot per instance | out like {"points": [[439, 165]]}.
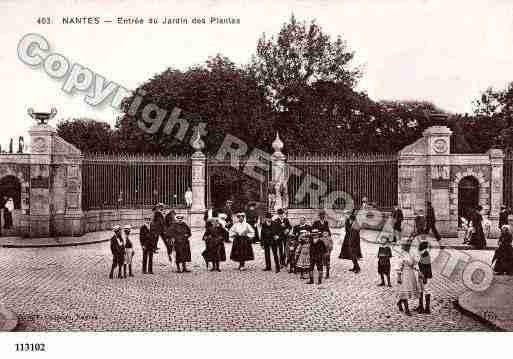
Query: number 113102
{"points": [[30, 347]]}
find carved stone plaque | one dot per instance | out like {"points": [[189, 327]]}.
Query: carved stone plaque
{"points": [[39, 145], [440, 145]]}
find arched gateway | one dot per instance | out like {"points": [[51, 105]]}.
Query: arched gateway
{"points": [[454, 183]]}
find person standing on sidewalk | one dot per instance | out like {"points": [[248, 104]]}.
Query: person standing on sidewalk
{"points": [[477, 239], [148, 246], [503, 215], [431, 221]]}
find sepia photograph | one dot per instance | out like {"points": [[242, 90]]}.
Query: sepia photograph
{"points": [[212, 167]]}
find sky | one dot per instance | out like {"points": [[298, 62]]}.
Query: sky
{"points": [[446, 52]]}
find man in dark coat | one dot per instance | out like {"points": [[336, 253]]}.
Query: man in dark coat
{"points": [[270, 235], [117, 248], [147, 241], [322, 224], [397, 217], [180, 234], [157, 225], [285, 228], [431, 221]]}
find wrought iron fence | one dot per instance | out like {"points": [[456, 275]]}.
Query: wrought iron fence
{"points": [[360, 175], [134, 181], [227, 180]]}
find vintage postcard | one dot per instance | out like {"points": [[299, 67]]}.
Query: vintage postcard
{"points": [[276, 166]]}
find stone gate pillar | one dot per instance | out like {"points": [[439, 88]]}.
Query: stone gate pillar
{"points": [[41, 142], [55, 200], [278, 173], [496, 164], [198, 164], [438, 174]]}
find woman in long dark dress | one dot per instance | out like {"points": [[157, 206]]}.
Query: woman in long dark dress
{"points": [[351, 245], [478, 238], [345, 250], [214, 245], [503, 257]]}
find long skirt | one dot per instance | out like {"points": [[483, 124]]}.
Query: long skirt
{"points": [[408, 289], [182, 251], [303, 256], [504, 259], [345, 251], [477, 239], [351, 246], [242, 249], [214, 251], [384, 265]]}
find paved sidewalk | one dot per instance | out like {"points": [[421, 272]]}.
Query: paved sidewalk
{"points": [[445, 243], [493, 306], [8, 320], [103, 236], [89, 238]]}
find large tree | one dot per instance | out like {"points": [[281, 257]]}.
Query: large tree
{"points": [[88, 135], [218, 93]]}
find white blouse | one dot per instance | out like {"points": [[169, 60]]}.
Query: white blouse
{"points": [[242, 229]]}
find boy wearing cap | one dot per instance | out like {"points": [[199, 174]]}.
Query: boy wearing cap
{"points": [[317, 254], [118, 251], [322, 224], [129, 251]]}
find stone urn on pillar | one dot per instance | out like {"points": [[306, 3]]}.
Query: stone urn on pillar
{"points": [[278, 175], [198, 166]]}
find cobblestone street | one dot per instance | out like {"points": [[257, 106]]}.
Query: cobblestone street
{"points": [[68, 289]]}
